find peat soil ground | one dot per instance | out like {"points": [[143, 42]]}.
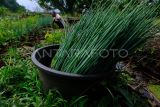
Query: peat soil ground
{"points": [[144, 68]]}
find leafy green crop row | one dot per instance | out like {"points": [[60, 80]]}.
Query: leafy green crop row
{"points": [[55, 37], [12, 29], [3, 11]]}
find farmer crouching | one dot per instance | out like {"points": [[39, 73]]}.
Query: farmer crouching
{"points": [[57, 18]]}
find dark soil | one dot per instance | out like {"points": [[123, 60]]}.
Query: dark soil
{"points": [[72, 20], [1, 63], [144, 67], [148, 59]]}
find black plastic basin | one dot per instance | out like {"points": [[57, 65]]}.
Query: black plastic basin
{"points": [[67, 83]]}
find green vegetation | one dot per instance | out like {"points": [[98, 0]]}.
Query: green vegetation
{"points": [[12, 5], [66, 5], [103, 28], [13, 29], [4, 11], [71, 6], [55, 36], [155, 89], [20, 86]]}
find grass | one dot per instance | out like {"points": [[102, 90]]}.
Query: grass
{"points": [[155, 89], [20, 85]]}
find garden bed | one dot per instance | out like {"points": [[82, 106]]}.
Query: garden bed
{"points": [[20, 84]]}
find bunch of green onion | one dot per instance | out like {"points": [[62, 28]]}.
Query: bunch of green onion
{"points": [[103, 28]]}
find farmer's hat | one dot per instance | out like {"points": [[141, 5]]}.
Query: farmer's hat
{"points": [[56, 11]]}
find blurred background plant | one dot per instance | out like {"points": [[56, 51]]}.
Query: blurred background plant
{"points": [[4, 11], [12, 5], [12, 29], [55, 37]]}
